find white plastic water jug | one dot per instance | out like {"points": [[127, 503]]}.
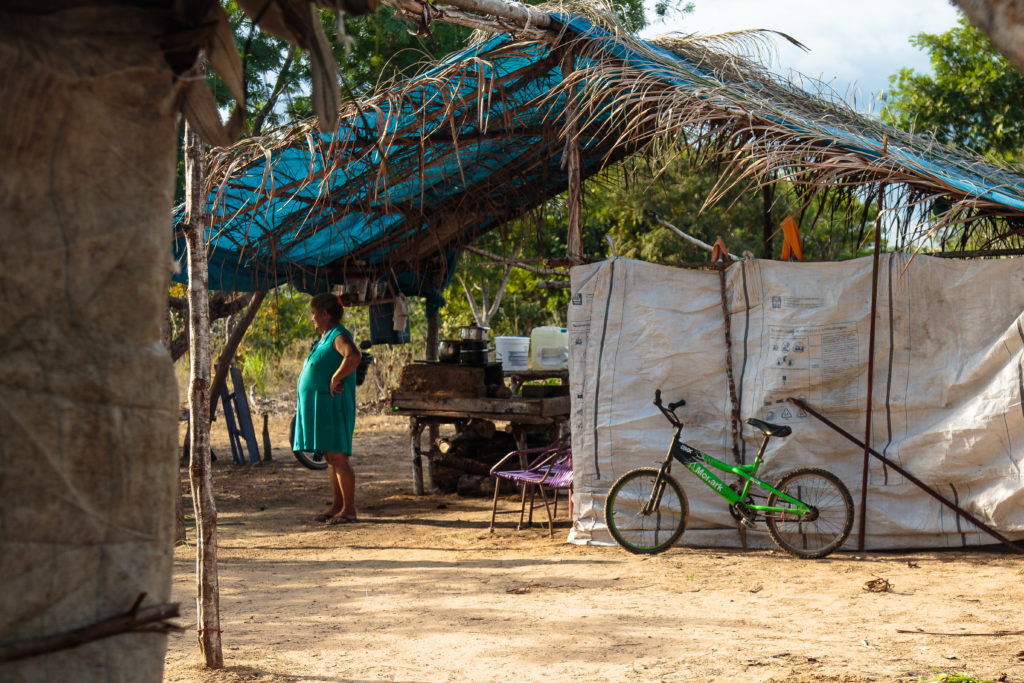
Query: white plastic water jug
{"points": [[549, 348], [512, 352]]}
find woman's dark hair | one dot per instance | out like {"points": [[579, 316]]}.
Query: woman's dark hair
{"points": [[329, 304]]}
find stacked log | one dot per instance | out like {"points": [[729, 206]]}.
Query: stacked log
{"points": [[462, 463]]}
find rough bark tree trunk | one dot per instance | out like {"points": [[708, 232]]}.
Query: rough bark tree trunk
{"points": [[1003, 22], [574, 240], [227, 356], [179, 508], [88, 401], [207, 598]]}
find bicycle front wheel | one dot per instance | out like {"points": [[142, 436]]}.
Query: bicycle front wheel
{"points": [[639, 532], [829, 523]]}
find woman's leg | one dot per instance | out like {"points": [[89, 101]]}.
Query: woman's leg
{"points": [[343, 486], [337, 499]]}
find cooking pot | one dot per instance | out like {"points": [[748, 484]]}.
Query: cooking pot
{"points": [[448, 350], [474, 333], [473, 356]]}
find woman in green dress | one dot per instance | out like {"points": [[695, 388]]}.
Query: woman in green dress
{"points": [[325, 413]]}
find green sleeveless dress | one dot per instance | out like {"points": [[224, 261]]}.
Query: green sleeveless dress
{"points": [[324, 422]]}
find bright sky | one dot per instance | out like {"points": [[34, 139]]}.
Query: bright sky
{"points": [[854, 46]]}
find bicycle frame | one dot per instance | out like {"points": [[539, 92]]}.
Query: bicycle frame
{"points": [[698, 461]]}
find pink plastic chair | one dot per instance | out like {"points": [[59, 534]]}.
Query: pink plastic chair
{"points": [[551, 469]]}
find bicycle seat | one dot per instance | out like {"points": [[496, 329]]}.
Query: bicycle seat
{"points": [[769, 429]]}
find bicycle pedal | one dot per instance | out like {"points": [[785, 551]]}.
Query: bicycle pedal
{"points": [[743, 516]]}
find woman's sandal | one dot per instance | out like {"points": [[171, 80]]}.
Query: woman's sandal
{"points": [[341, 520], [323, 517]]}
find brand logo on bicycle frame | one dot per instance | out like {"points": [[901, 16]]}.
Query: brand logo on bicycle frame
{"points": [[706, 476]]}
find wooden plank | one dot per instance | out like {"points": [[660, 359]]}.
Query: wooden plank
{"points": [[451, 416], [555, 406], [442, 380], [512, 407]]}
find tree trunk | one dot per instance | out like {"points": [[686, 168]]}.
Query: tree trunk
{"points": [[179, 509], [180, 535], [207, 598], [574, 240], [1003, 22], [227, 356], [88, 401]]}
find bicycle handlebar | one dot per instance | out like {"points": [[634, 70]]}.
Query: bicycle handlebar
{"points": [[670, 411]]}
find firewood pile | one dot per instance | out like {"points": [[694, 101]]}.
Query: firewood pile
{"points": [[462, 463]]}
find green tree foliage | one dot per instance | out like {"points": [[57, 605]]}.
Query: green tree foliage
{"points": [[676, 191], [282, 322], [617, 204], [525, 303], [975, 98]]}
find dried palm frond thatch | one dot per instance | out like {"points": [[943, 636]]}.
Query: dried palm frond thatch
{"points": [[429, 164]]}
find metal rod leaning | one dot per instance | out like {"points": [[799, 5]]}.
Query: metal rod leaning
{"points": [[914, 480]]}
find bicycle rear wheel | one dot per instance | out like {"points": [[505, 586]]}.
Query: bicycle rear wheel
{"points": [[831, 513], [645, 533], [314, 461]]}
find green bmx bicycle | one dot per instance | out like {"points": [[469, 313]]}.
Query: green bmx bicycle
{"points": [[808, 513]]}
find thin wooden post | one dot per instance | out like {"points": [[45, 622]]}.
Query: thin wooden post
{"points": [[768, 222], [734, 413], [207, 596], [433, 323], [415, 431], [871, 372], [268, 453], [574, 239]]}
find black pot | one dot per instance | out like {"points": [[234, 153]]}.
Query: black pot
{"points": [[470, 345], [448, 350], [473, 357]]}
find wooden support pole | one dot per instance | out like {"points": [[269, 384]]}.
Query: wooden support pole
{"points": [[415, 432], [871, 372], [734, 401], [433, 323], [574, 240], [268, 453], [207, 594], [768, 222]]}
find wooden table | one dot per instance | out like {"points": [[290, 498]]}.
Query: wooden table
{"points": [[518, 377], [520, 413]]}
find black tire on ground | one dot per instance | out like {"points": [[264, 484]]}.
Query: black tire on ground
{"points": [[639, 533], [314, 461], [824, 534]]}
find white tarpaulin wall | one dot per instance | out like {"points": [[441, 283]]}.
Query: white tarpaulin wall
{"points": [[948, 384]]}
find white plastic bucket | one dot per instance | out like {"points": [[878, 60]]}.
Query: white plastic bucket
{"points": [[512, 352], [549, 348]]}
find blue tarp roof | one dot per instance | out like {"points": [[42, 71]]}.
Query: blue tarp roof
{"points": [[428, 165]]}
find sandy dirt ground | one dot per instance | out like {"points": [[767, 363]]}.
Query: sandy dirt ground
{"points": [[420, 590]]}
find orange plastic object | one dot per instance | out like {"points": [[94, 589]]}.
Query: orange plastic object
{"points": [[792, 250], [719, 252]]}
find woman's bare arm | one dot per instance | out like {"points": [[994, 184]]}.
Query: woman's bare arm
{"points": [[344, 345]]}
